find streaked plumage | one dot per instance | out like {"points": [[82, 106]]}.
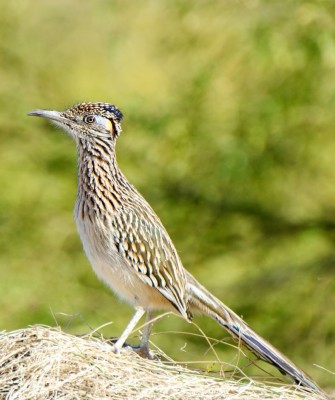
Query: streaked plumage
{"points": [[127, 244]]}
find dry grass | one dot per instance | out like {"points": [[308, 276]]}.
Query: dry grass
{"points": [[46, 363]]}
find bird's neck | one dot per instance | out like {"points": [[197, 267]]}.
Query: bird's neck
{"points": [[99, 177]]}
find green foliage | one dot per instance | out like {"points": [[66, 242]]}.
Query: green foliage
{"points": [[228, 133]]}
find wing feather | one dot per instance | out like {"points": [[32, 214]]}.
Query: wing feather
{"points": [[148, 248]]}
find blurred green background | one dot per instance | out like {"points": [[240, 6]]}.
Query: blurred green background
{"points": [[228, 133]]}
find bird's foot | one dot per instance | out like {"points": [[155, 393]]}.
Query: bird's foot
{"points": [[142, 350], [145, 352], [119, 346]]}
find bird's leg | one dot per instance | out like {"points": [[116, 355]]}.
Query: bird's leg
{"points": [[144, 347], [132, 323]]}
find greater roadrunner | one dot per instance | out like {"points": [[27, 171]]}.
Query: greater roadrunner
{"points": [[129, 247]]}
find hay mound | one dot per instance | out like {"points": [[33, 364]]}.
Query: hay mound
{"points": [[46, 363]]}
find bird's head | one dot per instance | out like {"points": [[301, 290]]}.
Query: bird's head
{"points": [[86, 120]]}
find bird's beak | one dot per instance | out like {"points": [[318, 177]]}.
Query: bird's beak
{"points": [[53, 115]]}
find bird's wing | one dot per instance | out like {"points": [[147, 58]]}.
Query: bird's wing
{"points": [[144, 242]]}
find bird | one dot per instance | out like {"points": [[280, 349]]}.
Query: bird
{"points": [[128, 246]]}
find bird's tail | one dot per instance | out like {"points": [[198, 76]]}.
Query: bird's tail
{"points": [[203, 301]]}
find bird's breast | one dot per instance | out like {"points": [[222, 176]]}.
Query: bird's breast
{"points": [[98, 236]]}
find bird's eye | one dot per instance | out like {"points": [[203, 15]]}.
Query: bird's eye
{"points": [[89, 119]]}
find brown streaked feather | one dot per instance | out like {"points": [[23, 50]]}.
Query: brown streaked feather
{"points": [[149, 250]]}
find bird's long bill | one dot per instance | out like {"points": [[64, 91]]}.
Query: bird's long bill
{"points": [[53, 115]]}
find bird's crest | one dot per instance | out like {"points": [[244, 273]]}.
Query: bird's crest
{"points": [[104, 109]]}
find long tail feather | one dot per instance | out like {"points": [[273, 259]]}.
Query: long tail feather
{"points": [[203, 301]]}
